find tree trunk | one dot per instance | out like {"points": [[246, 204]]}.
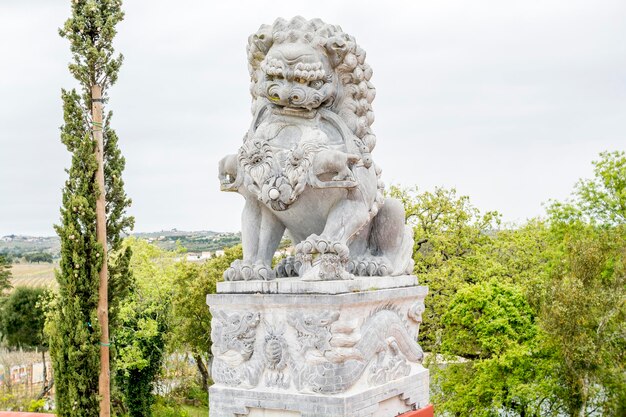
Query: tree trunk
{"points": [[104, 381], [45, 370], [46, 387], [584, 394], [204, 373]]}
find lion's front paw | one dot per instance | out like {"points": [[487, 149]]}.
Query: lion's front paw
{"points": [[369, 266], [244, 271], [320, 244], [322, 259], [288, 267]]}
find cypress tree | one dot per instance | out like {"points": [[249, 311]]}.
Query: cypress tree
{"points": [[5, 274], [75, 329]]}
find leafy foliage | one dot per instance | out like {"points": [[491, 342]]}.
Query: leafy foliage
{"points": [[485, 319], [193, 321], [584, 316], [74, 327], [584, 311], [492, 327], [91, 30], [530, 319], [517, 382], [145, 320], [38, 257], [22, 319], [603, 198], [448, 230], [5, 274]]}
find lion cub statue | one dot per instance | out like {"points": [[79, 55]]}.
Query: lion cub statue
{"points": [[305, 166]]}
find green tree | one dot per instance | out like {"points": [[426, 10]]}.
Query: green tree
{"points": [[584, 315], [584, 310], [145, 323], [74, 327], [603, 198], [496, 362], [38, 257], [192, 283], [550, 341], [22, 319], [5, 274], [448, 230], [485, 319], [484, 283], [531, 318]]}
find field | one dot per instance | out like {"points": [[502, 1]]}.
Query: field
{"points": [[34, 275]]}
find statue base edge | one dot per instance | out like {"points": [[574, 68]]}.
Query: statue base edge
{"points": [[400, 397], [298, 286]]}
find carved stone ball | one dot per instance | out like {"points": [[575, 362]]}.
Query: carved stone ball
{"points": [[274, 194]]}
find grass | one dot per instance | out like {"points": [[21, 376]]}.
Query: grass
{"points": [[196, 411], [33, 275]]}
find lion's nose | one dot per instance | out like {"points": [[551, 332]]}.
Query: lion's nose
{"points": [[296, 96], [278, 95]]}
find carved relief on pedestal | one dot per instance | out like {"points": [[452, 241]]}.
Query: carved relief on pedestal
{"points": [[313, 330], [330, 353], [415, 314], [335, 354], [234, 336], [276, 355]]}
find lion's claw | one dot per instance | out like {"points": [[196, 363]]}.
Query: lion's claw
{"points": [[243, 271], [288, 267], [369, 266]]}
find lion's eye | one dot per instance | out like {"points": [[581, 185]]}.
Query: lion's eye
{"points": [[317, 84], [300, 80]]}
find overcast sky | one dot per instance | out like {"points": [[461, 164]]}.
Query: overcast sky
{"points": [[508, 101]]}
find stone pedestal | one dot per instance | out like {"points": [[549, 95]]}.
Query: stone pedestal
{"points": [[334, 348]]}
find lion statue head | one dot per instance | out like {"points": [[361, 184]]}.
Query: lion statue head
{"points": [[301, 65]]}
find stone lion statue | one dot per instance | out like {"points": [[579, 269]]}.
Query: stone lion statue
{"points": [[305, 166]]}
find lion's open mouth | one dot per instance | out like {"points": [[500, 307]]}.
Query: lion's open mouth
{"points": [[295, 111]]}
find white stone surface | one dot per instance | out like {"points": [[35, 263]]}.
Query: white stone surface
{"points": [[317, 341], [262, 412], [341, 353], [388, 400], [305, 166], [297, 286]]}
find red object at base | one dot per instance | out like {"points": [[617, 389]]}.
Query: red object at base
{"points": [[427, 411]]}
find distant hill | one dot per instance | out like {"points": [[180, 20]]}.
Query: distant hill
{"points": [[17, 246], [202, 241]]}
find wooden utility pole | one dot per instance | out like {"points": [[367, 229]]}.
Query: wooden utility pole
{"points": [[104, 382]]}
